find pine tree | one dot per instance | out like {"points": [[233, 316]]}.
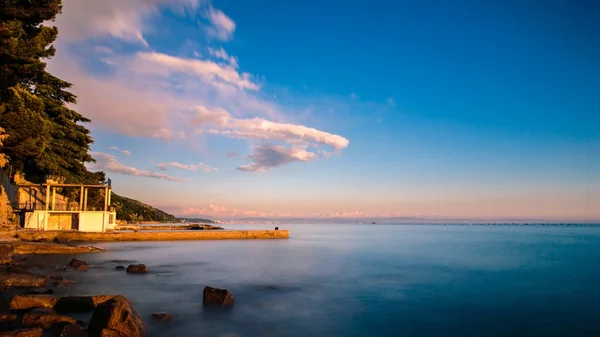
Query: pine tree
{"points": [[45, 136]]}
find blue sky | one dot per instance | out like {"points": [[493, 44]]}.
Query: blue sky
{"points": [[370, 108]]}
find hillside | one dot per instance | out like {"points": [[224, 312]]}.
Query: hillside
{"points": [[133, 210]]}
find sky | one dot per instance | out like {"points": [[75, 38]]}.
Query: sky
{"points": [[264, 108]]}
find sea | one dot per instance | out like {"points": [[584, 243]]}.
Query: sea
{"points": [[366, 280]]}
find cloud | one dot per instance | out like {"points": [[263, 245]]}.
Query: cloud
{"points": [[113, 148], [268, 156], [109, 163], [103, 50], [232, 154], [210, 71], [222, 54], [222, 211], [120, 19], [126, 152], [221, 26], [259, 128], [191, 167]]}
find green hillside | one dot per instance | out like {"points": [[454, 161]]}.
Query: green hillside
{"points": [[133, 210]]}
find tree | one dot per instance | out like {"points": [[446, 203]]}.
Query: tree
{"points": [[3, 158], [46, 138]]}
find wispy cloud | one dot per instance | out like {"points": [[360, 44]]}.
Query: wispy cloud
{"points": [[222, 55], [113, 148], [126, 152], [109, 163], [191, 167], [221, 26], [211, 72]]}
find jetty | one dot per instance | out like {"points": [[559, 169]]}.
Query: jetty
{"points": [[75, 236]]}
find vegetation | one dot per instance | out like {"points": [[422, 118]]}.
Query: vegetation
{"points": [[45, 137], [133, 210], [40, 136]]}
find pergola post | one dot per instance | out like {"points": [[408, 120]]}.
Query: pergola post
{"points": [[54, 198], [109, 196], [85, 197], [47, 206], [81, 199], [105, 199]]}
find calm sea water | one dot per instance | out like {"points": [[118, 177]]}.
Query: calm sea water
{"points": [[368, 280]]}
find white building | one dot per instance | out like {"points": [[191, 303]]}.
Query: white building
{"points": [[42, 207]]}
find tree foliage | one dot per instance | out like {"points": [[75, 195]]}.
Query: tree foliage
{"points": [[46, 138], [133, 210]]}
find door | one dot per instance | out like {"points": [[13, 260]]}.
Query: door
{"points": [[75, 221]]}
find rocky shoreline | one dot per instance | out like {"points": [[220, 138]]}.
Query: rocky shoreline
{"points": [[29, 307]]}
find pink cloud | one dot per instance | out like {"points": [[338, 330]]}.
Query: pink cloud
{"points": [[109, 163], [221, 26], [190, 167]]}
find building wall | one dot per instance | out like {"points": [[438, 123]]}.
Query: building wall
{"points": [[88, 221]]}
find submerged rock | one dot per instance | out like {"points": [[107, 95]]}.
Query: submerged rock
{"points": [[26, 302], [116, 317], [40, 291], [23, 333], [217, 297], [137, 269], [77, 263], [160, 316], [45, 321], [83, 267], [70, 330], [120, 267], [19, 280]]}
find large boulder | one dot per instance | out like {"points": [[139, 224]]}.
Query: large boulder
{"points": [[6, 252], [23, 333], [116, 317], [26, 302], [217, 297], [19, 280], [45, 321], [137, 269], [70, 304]]}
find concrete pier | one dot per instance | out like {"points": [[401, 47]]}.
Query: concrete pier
{"points": [[152, 235]]}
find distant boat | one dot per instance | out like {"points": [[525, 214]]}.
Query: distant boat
{"points": [[373, 223]]}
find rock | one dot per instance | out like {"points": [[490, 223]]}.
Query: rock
{"points": [[137, 269], [83, 267], [25, 302], [18, 280], [9, 322], [116, 317], [42, 310], [40, 291], [60, 281], [8, 317], [161, 316], [217, 297], [120, 267], [70, 330], [6, 252], [45, 321], [17, 270], [76, 263], [70, 304], [23, 333]]}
